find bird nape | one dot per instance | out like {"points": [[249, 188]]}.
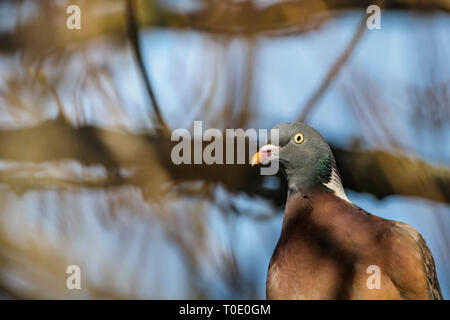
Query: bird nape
{"points": [[329, 248]]}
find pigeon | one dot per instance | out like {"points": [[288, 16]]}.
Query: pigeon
{"points": [[329, 248]]}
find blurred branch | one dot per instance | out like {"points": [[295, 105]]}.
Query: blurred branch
{"points": [[216, 17], [133, 33], [20, 182], [376, 172], [334, 71], [41, 77]]}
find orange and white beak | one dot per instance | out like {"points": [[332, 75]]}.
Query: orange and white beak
{"points": [[266, 154]]}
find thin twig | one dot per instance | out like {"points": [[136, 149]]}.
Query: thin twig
{"points": [[334, 71], [133, 29], [41, 77]]}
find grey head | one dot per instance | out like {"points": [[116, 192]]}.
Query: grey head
{"points": [[305, 158]]}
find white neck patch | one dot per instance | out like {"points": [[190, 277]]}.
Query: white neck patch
{"points": [[336, 185]]}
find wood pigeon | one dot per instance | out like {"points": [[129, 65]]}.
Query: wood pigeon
{"points": [[329, 248]]}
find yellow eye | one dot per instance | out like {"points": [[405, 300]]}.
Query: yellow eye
{"points": [[298, 138]]}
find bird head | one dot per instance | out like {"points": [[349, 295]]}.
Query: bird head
{"points": [[304, 156]]}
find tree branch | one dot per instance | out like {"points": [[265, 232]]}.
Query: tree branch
{"points": [[133, 34], [376, 172], [334, 71], [240, 18]]}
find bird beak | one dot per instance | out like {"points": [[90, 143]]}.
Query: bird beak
{"points": [[256, 159], [266, 154]]}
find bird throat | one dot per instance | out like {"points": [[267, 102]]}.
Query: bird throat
{"points": [[327, 174], [324, 176]]}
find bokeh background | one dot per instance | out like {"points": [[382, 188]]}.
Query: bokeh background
{"points": [[86, 115]]}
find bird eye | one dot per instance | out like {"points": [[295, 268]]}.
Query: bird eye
{"points": [[298, 138]]}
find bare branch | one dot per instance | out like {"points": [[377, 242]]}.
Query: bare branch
{"points": [[376, 172], [334, 71], [133, 33], [240, 18]]}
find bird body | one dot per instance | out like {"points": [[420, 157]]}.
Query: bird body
{"points": [[328, 247]]}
